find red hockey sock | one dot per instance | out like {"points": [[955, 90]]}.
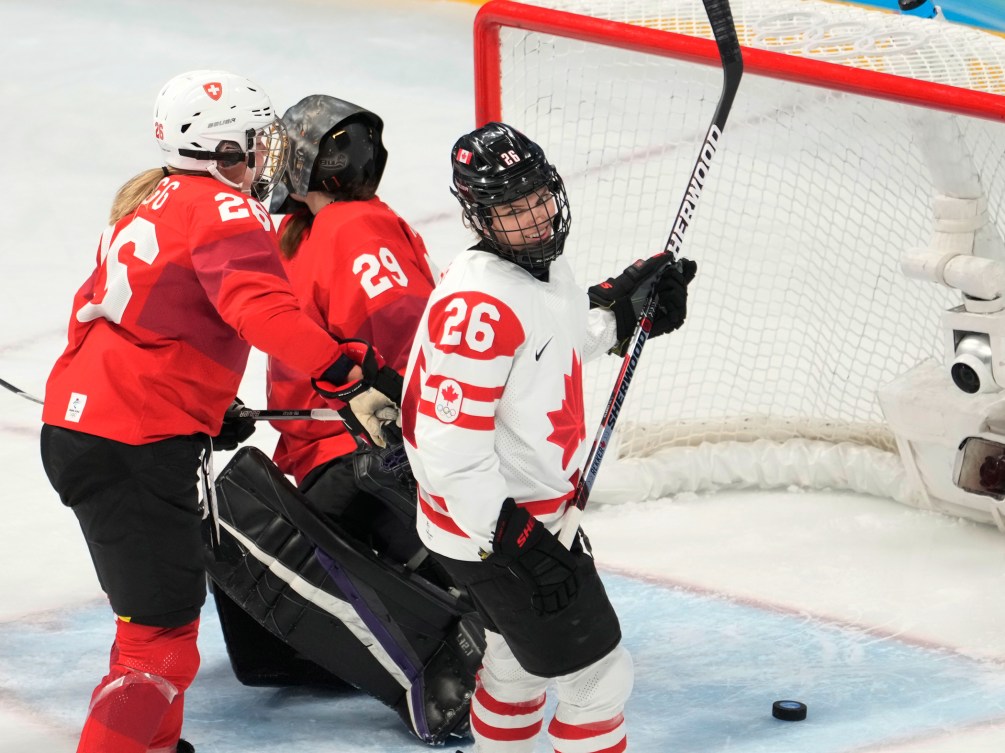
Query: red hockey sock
{"points": [[138, 704]]}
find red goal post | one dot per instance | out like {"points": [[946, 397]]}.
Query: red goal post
{"points": [[498, 14], [848, 127]]}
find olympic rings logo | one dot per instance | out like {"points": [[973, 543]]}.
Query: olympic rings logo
{"points": [[449, 396]]}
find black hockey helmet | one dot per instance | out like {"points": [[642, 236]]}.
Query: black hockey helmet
{"points": [[335, 146], [496, 165]]}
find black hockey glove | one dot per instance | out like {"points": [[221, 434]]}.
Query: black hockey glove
{"points": [[626, 294], [235, 429], [522, 545]]}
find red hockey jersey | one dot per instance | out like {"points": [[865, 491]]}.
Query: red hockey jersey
{"points": [[364, 273], [159, 335]]}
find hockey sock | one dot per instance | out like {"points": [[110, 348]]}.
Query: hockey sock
{"points": [[138, 704], [594, 737], [166, 737], [505, 727], [588, 717]]}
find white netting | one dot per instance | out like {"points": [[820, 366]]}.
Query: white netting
{"points": [[834, 31], [799, 312]]}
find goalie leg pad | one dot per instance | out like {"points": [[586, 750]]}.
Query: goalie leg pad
{"points": [[261, 659], [328, 614], [448, 681], [364, 495]]}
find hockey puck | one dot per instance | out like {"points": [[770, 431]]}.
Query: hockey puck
{"points": [[788, 711]]}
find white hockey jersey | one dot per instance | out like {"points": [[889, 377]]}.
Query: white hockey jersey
{"points": [[493, 403]]}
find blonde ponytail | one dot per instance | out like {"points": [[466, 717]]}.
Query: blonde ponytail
{"points": [[133, 192]]}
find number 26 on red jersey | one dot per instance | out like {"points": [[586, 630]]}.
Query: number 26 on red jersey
{"points": [[113, 279]]}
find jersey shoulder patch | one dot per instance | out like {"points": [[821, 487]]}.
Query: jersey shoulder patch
{"points": [[475, 325]]}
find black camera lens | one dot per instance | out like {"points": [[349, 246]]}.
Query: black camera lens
{"points": [[965, 378]]}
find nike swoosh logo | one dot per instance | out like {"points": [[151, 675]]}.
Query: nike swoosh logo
{"points": [[537, 356]]}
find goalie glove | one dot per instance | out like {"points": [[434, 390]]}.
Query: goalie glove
{"points": [[626, 294], [522, 545]]}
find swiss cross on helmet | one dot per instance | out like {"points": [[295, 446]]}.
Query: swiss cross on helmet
{"points": [[512, 197], [215, 121]]}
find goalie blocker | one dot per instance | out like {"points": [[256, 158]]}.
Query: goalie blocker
{"points": [[303, 602]]}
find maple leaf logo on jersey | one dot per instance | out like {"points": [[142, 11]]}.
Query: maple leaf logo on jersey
{"points": [[569, 421], [448, 401], [214, 89]]}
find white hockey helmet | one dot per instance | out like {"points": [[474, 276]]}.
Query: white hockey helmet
{"points": [[210, 120]]}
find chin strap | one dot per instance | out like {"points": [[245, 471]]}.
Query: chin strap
{"points": [[244, 186]]}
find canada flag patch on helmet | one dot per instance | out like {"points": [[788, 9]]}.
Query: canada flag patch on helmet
{"points": [[463, 155], [214, 90]]}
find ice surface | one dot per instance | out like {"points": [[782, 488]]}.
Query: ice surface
{"points": [[885, 620]]}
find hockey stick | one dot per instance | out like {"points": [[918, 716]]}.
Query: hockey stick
{"points": [[20, 393], [296, 414], [721, 18], [293, 414]]}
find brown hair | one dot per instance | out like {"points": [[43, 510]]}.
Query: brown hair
{"points": [[295, 230]]}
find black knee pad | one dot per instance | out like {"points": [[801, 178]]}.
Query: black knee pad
{"points": [[545, 645]]}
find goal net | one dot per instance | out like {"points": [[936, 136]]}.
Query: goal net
{"points": [[848, 123]]}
